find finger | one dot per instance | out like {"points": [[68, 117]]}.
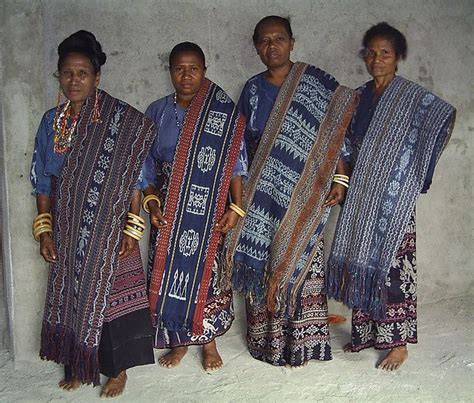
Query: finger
{"points": [[122, 248]]}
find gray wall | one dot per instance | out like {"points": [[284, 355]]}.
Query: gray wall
{"points": [[137, 36]]}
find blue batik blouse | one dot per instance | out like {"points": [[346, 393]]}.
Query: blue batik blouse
{"points": [[162, 112]]}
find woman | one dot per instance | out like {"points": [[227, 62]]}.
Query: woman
{"points": [[397, 135], [88, 155], [193, 161], [296, 118]]}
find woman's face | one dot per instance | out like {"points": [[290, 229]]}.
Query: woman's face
{"points": [[187, 72], [274, 45], [380, 58], [77, 78]]}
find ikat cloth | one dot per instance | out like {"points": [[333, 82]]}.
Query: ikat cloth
{"points": [[407, 134]]}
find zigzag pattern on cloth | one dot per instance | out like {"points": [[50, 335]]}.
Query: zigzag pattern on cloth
{"points": [[299, 135], [290, 176], [258, 225]]}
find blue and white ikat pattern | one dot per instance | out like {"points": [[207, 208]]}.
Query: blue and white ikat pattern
{"points": [[283, 168]]}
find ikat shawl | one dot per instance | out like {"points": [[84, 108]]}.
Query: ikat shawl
{"points": [[92, 197], [206, 152], [272, 248], [410, 128]]}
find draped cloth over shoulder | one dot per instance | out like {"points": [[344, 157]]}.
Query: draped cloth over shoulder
{"points": [[271, 250], [206, 152], [409, 129], [93, 195]]}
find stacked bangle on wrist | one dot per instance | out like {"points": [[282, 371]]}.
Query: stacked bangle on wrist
{"points": [[341, 179], [135, 226], [41, 224], [237, 209], [147, 199]]}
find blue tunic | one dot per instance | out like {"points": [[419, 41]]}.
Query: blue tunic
{"points": [[46, 163], [162, 112]]}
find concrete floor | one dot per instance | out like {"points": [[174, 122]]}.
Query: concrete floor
{"points": [[440, 368]]}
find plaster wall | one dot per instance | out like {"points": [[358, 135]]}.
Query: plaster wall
{"points": [[137, 37]]}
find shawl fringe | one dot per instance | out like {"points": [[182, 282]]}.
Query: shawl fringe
{"points": [[60, 345], [356, 286]]}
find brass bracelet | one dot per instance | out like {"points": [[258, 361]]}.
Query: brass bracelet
{"points": [[40, 230], [147, 199], [133, 232], [136, 217], [43, 215], [137, 224], [346, 185], [136, 237], [134, 229], [38, 223], [237, 210], [342, 177]]}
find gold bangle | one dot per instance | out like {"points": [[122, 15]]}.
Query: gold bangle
{"points": [[137, 217], [342, 177], [346, 185], [136, 231], [43, 215], [147, 199], [136, 224], [41, 230], [136, 237], [38, 223], [237, 209]]}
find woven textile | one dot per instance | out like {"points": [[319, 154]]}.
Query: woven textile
{"points": [[400, 324], [271, 250], [206, 152], [410, 128], [93, 195]]}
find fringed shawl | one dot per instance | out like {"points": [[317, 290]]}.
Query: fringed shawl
{"points": [[272, 248], [93, 195], [207, 149], [410, 128]]}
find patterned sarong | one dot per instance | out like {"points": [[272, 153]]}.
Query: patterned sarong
{"points": [[290, 176], [207, 149], [410, 128], [93, 195]]}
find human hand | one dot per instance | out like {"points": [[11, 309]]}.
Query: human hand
{"points": [[228, 221], [47, 249], [336, 195]]}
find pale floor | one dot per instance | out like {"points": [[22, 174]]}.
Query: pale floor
{"points": [[440, 368]]}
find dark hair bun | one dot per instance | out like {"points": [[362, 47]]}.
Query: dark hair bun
{"points": [[83, 42]]}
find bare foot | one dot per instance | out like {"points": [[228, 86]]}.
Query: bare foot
{"points": [[394, 359], [174, 357], [114, 386], [334, 319], [347, 348], [70, 384], [289, 366], [211, 360]]}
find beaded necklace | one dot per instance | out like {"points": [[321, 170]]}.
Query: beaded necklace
{"points": [[62, 133]]}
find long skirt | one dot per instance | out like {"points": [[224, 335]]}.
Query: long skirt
{"points": [[218, 317], [400, 325], [305, 336], [127, 335]]}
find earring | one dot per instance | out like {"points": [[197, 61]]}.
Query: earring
{"points": [[96, 108]]}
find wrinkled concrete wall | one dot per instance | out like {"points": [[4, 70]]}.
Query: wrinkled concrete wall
{"points": [[137, 37]]}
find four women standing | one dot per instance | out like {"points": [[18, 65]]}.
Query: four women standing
{"points": [[296, 118]]}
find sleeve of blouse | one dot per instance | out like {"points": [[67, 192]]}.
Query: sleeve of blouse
{"points": [[241, 165], [148, 173], [40, 182]]}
